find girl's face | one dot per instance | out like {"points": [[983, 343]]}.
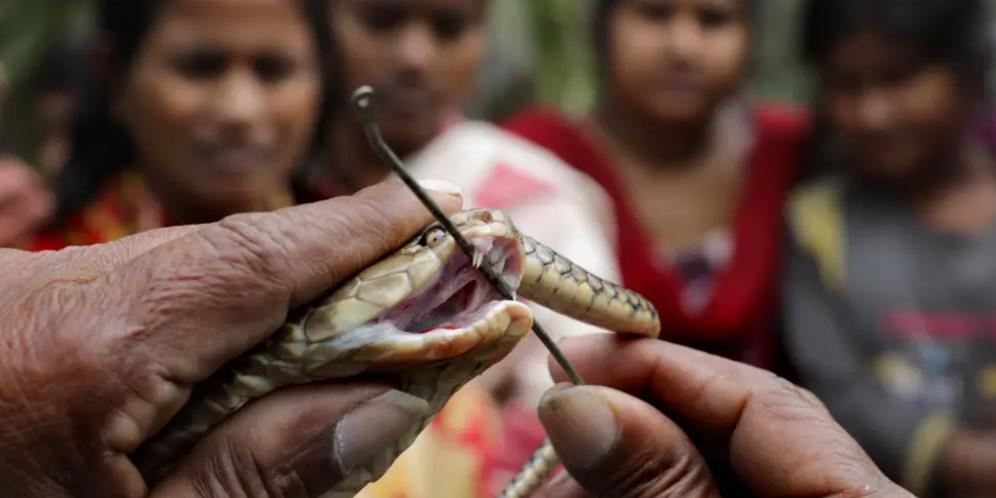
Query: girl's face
{"points": [[420, 56], [676, 60], [221, 101], [894, 113]]}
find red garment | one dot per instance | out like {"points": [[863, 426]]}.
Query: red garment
{"points": [[740, 318], [123, 207]]}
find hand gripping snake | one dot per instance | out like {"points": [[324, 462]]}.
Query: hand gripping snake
{"points": [[423, 315]]}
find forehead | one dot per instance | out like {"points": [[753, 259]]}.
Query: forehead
{"points": [[245, 23], [418, 6], [725, 4], [869, 50]]}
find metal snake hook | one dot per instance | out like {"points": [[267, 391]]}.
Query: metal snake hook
{"points": [[544, 459], [366, 110]]}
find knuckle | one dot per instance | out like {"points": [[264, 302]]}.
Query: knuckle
{"points": [[337, 238], [225, 267], [148, 390], [57, 319], [82, 264], [805, 396], [257, 243], [232, 470], [789, 402], [811, 398], [365, 217], [52, 357], [650, 474]]}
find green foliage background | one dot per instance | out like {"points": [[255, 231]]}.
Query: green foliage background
{"points": [[27, 29], [560, 69]]}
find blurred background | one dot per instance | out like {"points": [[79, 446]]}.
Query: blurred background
{"points": [[850, 248], [537, 53]]}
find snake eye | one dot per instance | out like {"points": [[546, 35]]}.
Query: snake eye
{"points": [[432, 236]]}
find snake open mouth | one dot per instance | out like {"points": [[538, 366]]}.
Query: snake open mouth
{"points": [[460, 294]]}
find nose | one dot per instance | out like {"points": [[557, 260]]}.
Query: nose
{"points": [[240, 100], [684, 38], [416, 47], [874, 109]]}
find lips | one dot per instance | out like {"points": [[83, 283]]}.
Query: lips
{"points": [[405, 99], [234, 160], [681, 83]]}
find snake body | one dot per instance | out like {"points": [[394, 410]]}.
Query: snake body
{"points": [[423, 315]]}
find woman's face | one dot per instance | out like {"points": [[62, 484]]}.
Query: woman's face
{"points": [[676, 60], [893, 112], [221, 101], [420, 56]]}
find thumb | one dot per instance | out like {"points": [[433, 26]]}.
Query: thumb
{"points": [[302, 442], [616, 445]]}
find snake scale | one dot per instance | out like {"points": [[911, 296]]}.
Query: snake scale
{"points": [[423, 315]]}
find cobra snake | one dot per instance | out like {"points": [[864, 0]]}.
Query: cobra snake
{"points": [[424, 315]]}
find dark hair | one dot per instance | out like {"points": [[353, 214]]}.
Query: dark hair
{"points": [[100, 147], [954, 32], [602, 15]]}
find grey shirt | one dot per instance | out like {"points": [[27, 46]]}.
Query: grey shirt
{"points": [[891, 324]]}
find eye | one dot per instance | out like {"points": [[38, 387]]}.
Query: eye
{"points": [[715, 17], [274, 67], [382, 18], [450, 25], [432, 236], [899, 72], [656, 11], [200, 64]]}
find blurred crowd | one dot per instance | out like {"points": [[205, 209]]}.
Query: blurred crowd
{"points": [[849, 245]]}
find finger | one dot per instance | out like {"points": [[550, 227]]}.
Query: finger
{"points": [[780, 439], [299, 442], [114, 254], [616, 445], [22, 209], [15, 262], [42, 205], [81, 264], [239, 278], [38, 209], [15, 177], [675, 377], [195, 303], [564, 486]]}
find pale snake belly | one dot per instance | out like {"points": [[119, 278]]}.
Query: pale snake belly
{"points": [[423, 315]]}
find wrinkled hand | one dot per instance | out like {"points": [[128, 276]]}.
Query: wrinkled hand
{"points": [[698, 412], [25, 203], [99, 348]]}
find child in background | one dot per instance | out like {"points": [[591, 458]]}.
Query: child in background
{"points": [[697, 177], [890, 295]]}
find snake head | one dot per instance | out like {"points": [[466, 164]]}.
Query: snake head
{"points": [[424, 302]]}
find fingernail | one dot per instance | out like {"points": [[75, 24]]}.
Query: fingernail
{"points": [[373, 426], [581, 424], [441, 186]]}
